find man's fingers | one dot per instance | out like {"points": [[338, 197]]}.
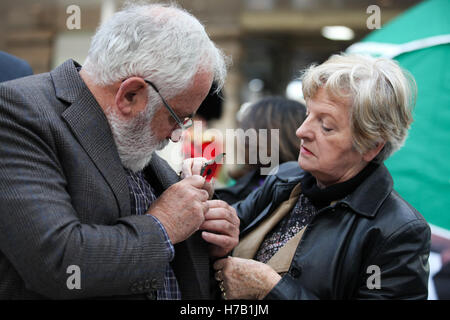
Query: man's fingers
{"points": [[218, 240], [197, 165], [220, 227], [195, 181], [218, 204], [205, 197], [209, 187], [194, 185], [192, 166], [205, 208], [221, 213], [186, 166]]}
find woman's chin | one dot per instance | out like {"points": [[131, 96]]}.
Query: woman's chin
{"points": [[303, 163]]}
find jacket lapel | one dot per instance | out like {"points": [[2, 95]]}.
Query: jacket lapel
{"points": [[250, 243], [89, 125], [191, 263], [192, 268], [281, 193], [159, 174]]}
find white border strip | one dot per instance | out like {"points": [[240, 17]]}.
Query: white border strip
{"points": [[441, 232], [390, 50]]}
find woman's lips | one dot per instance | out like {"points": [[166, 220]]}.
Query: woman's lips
{"points": [[306, 151]]}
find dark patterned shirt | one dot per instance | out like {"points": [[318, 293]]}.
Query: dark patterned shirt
{"points": [[142, 195], [286, 229]]}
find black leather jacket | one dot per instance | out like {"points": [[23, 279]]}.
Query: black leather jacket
{"points": [[345, 245]]}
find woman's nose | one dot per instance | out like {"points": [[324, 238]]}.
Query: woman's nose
{"points": [[297, 132], [304, 130]]}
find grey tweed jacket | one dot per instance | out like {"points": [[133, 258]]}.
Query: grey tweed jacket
{"points": [[64, 201]]}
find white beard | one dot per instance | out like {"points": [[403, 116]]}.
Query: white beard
{"points": [[135, 139]]}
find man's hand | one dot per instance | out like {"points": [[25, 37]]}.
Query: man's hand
{"points": [[193, 166], [222, 228], [182, 208]]}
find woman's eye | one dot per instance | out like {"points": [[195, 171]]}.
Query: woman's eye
{"points": [[326, 129]]}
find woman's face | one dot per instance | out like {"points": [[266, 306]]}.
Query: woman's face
{"points": [[326, 149]]}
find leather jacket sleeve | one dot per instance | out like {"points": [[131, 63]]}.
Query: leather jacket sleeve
{"points": [[403, 268], [403, 264], [289, 288]]}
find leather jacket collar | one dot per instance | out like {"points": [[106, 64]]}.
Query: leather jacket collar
{"points": [[365, 200]]}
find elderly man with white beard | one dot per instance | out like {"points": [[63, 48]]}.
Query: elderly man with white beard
{"points": [[88, 209]]}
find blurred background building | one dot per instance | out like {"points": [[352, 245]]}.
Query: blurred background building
{"points": [[269, 41]]}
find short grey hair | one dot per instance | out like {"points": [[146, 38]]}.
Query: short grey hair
{"points": [[381, 93], [160, 42]]}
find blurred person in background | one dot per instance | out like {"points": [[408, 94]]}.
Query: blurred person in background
{"points": [[331, 226], [12, 67], [268, 113], [81, 187], [441, 279]]}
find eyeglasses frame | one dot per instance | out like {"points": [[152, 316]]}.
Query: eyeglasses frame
{"points": [[172, 113]]}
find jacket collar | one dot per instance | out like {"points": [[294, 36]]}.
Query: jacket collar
{"points": [[159, 173], [67, 82], [89, 125], [367, 199]]}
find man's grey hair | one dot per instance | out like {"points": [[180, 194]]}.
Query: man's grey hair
{"points": [[381, 94], [159, 42]]}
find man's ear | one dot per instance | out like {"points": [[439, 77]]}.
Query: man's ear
{"points": [[372, 153], [132, 95]]}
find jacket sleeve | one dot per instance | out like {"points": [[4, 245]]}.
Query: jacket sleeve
{"points": [[40, 233], [399, 269], [290, 288]]}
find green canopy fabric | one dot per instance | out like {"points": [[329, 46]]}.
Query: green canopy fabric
{"points": [[419, 40]]}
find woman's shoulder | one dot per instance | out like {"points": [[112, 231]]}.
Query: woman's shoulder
{"points": [[400, 213]]}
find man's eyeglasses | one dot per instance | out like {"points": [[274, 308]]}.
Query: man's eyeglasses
{"points": [[186, 123]]}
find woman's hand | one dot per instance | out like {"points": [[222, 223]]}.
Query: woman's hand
{"points": [[244, 278], [193, 166]]}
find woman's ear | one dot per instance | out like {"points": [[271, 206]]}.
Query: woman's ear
{"points": [[131, 96], [372, 153]]}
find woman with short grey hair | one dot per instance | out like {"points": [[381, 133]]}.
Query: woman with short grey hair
{"points": [[382, 97], [331, 226]]}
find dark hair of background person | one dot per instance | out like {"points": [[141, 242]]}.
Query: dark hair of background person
{"points": [[274, 112], [211, 107]]}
